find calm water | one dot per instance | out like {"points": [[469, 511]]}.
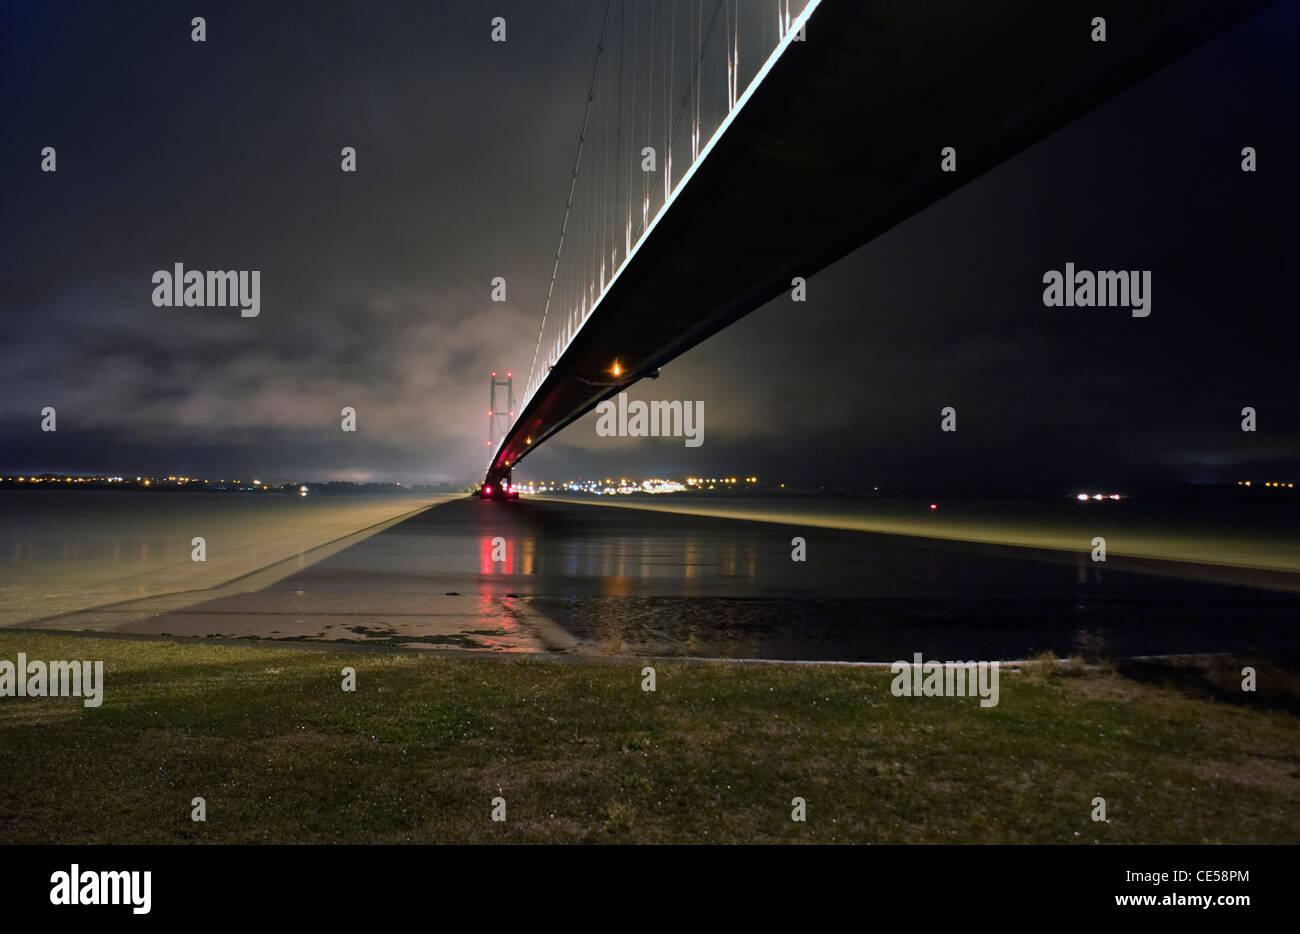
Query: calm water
{"points": [[589, 578]]}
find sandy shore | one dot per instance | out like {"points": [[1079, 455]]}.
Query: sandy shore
{"points": [[78, 551]]}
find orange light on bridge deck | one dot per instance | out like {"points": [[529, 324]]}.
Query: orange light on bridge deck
{"points": [[616, 369]]}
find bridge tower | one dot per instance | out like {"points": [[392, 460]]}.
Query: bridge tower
{"points": [[498, 419]]}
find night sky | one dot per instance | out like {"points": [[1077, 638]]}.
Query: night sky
{"points": [[375, 285]]}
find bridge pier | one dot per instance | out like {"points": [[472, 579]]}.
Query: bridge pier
{"points": [[496, 485]]}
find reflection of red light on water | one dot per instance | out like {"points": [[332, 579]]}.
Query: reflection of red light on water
{"points": [[487, 565]]}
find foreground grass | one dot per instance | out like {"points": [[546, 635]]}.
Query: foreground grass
{"points": [[581, 753]]}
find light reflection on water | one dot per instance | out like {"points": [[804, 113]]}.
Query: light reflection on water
{"points": [[609, 560], [640, 583], [636, 582]]}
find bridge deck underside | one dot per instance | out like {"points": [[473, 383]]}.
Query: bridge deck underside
{"points": [[842, 141]]}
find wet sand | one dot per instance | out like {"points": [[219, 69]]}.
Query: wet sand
{"points": [[62, 551]]}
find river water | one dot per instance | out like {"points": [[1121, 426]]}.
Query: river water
{"points": [[563, 577]]}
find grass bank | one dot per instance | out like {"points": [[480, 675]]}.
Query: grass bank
{"points": [[581, 754]]}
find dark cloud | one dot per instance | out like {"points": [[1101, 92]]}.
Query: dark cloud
{"points": [[375, 285]]}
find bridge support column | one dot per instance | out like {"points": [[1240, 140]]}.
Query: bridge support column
{"points": [[497, 482]]}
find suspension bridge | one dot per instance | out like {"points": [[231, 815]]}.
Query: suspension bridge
{"points": [[729, 146]]}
